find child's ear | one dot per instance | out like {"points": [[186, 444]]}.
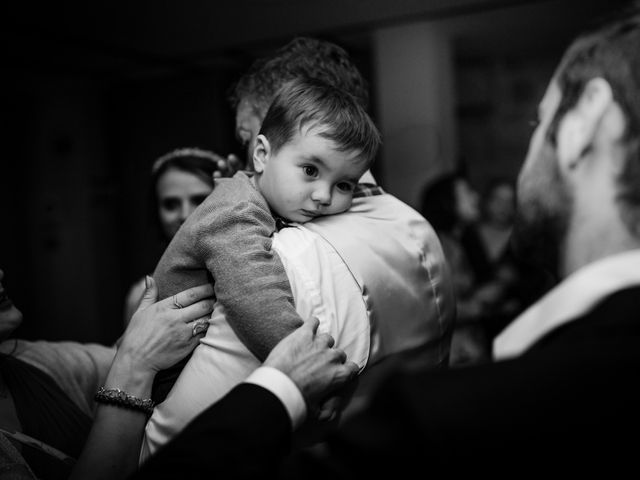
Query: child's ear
{"points": [[261, 153]]}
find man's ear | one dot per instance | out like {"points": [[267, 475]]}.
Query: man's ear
{"points": [[261, 153], [580, 125]]}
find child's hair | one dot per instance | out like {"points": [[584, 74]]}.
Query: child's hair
{"points": [[337, 114]]}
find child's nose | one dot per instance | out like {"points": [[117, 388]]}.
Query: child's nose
{"points": [[322, 195]]}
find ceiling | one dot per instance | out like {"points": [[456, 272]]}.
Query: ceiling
{"points": [[118, 39]]}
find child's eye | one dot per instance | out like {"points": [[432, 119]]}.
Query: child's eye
{"points": [[345, 186], [310, 170]]}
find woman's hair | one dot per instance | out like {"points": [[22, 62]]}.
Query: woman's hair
{"points": [[199, 163]]}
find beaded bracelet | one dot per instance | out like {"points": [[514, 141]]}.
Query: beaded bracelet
{"points": [[115, 396]]}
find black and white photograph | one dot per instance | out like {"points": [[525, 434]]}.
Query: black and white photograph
{"points": [[300, 239]]}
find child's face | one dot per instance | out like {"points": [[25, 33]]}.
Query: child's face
{"points": [[307, 177]]}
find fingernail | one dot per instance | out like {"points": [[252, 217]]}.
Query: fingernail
{"points": [[147, 281]]}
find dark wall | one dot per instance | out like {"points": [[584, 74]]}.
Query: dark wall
{"points": [[76, 227], [146, 120]]}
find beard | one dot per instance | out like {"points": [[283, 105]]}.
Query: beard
{"points": [[543, 215]]}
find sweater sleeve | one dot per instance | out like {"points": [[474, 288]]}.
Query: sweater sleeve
{"points": [[234, 240]]}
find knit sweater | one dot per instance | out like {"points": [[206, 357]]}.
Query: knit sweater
{"points": [[227, 241]]}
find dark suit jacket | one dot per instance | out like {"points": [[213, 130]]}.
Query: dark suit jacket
{"points": [[570, 404]]}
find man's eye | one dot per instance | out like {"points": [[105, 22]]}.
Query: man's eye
{"points": [[310, 170], [346, 187]]}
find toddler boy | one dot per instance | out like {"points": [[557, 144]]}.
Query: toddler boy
{"points": [[315, 143]]}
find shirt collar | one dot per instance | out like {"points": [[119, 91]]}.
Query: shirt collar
{"points": [[571, 298], [367, 186]]}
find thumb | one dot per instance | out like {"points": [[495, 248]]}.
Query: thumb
{"points": [[150, 293]]}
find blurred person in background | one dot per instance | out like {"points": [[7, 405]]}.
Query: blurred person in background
{"points": [[451, 205], [521, 282], [497, 213]]}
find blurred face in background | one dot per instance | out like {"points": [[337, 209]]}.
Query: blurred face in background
{"points": [[10, 316], [466, 201], [500, 204], [178, 193]]}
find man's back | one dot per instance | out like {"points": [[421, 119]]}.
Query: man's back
{"points": [[397, 260]]}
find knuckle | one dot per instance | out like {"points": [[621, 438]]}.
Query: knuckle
{"points": [[326, 339], [192, 295], [339, 355], [208, 306]]}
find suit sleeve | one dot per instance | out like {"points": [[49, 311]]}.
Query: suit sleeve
{"points": [[244, 435]]}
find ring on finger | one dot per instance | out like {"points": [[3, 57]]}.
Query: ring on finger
{"points": [[199, 326], [176, 302]]}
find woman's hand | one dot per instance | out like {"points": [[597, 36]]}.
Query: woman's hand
{"points": [[158, 335], [162, 333]]}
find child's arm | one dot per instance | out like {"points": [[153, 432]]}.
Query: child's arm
{"points": [[234, 240]]}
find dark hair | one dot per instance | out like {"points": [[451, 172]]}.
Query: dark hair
{"points": [[611, 52], [302, 57], [438, 203], [200, 163], [313, 103]]}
